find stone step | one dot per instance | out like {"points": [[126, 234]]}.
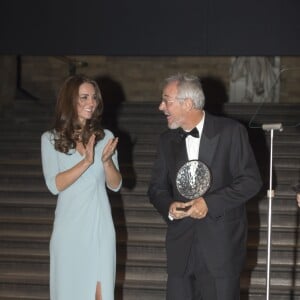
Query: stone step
{"points": [[149, 290], [145, 212], [282, 190], [283, 203], [127, 129], [147, 132], [13, 292], [283, 277], [33, 167], [39, 230], [23, 167], [9, 186], [146, 290], [33, 151], [136, 253], [137, 222]]}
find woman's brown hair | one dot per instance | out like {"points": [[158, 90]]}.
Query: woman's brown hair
{"points": [[67, 128]]}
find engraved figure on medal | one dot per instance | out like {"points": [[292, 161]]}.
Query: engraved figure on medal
{"points": [[193, 179]]}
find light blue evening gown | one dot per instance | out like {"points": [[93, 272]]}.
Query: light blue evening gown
{"points": [[83, 245]]}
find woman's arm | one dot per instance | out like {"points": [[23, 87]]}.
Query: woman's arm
{"points": [[68, 177], [113, 176]]}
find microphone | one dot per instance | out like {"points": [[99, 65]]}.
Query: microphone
{"points": [[275, 126]]}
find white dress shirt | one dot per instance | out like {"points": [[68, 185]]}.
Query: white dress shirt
{"points": [[193, 144]]}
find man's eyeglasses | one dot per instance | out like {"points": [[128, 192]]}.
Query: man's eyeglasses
{"points": [[170, 100]]}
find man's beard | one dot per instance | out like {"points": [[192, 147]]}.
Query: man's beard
{"points": [[174, 125]]}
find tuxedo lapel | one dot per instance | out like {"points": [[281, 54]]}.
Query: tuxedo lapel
{"points": [[209, 141], [180, 154]]}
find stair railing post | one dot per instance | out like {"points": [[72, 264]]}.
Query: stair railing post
{"points": [[271, 194]]}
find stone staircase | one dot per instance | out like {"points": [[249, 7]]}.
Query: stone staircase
{"points": [[27, 208]]}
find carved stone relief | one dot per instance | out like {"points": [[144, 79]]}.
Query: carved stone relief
{"points": [[254, 79]]}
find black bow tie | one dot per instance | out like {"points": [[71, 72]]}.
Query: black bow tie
{"points": [[194, 132]]}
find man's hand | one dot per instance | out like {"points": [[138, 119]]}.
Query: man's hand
{"points": [[298, 199], [178, 210], [198, 208]]}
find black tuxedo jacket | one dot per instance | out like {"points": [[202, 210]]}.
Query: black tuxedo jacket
{"points": [[225, 148]]}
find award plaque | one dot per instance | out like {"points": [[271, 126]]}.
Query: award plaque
{"points": [[193, 179]]}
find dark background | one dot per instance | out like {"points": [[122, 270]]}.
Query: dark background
{"points": [[157, 27]]}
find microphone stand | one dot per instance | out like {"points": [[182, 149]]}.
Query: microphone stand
{"points": [[271, 128]]}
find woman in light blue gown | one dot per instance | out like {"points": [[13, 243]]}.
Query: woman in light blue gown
{"points": [[79, 160]]}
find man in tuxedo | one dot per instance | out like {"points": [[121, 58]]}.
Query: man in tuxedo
{"points": [[206, 237]]}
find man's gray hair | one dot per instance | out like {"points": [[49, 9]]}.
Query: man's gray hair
{"points": [[189, 86]]}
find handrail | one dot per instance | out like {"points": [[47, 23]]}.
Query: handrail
{"points": [[72, 63]]}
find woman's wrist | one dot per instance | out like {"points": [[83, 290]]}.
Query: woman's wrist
{"points": [[86, 162], [108, 162]]}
